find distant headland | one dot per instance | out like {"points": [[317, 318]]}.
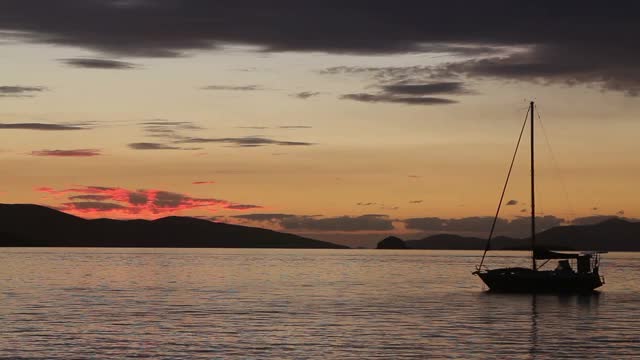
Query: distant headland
{"points": [[34, 225], [610, 235]]}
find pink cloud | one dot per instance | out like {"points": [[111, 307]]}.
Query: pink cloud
{"points": [[100, 201], [68, 153]]}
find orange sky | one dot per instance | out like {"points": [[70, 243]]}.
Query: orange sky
{"points": [[234, 131]]}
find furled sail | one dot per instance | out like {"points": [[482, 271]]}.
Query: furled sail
{"points": [[544, 254]]}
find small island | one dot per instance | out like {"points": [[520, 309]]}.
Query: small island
{"points": [[392, 242]]}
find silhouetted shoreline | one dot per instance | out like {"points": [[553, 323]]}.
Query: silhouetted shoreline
{"points": [[25, 225], [610, 235]]}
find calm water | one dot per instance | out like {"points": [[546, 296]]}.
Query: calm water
{"points": [[342, 304]]}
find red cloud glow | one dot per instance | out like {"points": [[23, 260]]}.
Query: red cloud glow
{"points": [[100, 201]]}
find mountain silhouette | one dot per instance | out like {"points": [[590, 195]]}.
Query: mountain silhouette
{"points": [[610, 235], [34, 225]]}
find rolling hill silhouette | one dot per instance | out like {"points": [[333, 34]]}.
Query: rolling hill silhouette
{"points": [[34, 225], [610, 235]]}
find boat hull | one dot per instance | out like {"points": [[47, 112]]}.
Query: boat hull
{"points": [[522, 280]]}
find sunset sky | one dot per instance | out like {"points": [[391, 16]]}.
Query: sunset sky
{"points": [[338, 120]]}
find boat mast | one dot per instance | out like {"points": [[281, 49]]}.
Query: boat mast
{"points": [[533, 195]]}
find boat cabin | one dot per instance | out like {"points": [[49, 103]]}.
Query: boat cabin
{"points": [[585, 262]]}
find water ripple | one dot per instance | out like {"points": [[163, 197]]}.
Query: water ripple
{"points": [[298, 304]]}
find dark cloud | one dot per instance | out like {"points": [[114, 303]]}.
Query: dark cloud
{"points": [[291, 127], [42, 127], [591, 220], [68, 153], [415, 202], [373, 222], [166, 199], [512, 202], [90, 197], [165, 129], [370, 222], [93, 206], [570, 42], [166, 123], [615, 70], [412, 93], [390, 98], [435, 88], [107, 64], [386, 75], [20, 91], [138, 198], [305, 94], [233, 87], [152, 146], [365, 203], [249, 141], [207, 182], [242, 207], [520, 226], [169, 28], [161, 132]]}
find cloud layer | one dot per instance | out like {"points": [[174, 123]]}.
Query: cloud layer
{"points": [[412, 93], [152, 146], [385, 97], [248, 141], [42, 126], [233, 87], [370, 222], [106, 64], [20, 91], [518, 227], [569, 42], [305, 94], [68, 153]]}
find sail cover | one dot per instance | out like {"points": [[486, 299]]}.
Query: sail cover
{"points": [[543, 254]]}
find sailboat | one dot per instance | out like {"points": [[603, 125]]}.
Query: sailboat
{"points": [[564, 278]]}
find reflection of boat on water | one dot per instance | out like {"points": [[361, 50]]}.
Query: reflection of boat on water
{"points": [[563, 278], [546, 326]]}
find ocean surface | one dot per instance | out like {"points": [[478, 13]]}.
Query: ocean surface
{"points": [[61, 303]]}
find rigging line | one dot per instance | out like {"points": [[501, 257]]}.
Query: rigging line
{"points": [[504, 190], [556, 167]]}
